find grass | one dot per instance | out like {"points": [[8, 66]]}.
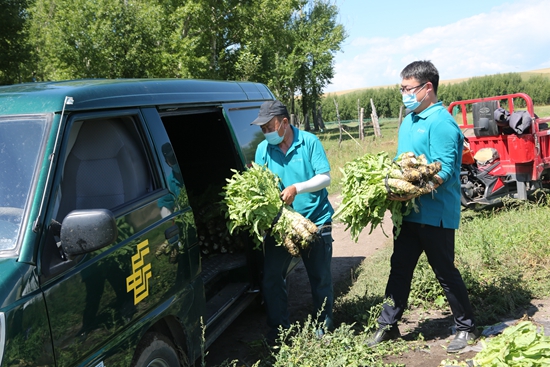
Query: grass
{"points": [[503, 257]]}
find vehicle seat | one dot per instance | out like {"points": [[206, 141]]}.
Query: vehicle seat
{"points": [[104, 169], [484, 119]]}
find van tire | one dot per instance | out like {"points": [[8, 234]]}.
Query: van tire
{"points": [[156, 350]]}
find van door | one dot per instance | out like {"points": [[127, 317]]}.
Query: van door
{"points": [[240, 115], [98, 302]]}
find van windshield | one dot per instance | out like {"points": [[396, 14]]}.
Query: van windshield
{"points": [[20, 147]]}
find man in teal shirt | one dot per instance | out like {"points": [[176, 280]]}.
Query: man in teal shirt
{"points": [[430, 130], [299, 159]]}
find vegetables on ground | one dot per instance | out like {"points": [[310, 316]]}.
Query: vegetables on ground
{"points": [[254, 204], [518, 345]]}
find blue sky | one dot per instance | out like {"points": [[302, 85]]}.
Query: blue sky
{"points": [[462, 38]]}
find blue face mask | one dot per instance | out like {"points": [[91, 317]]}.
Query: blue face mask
{"points": [[410, 101], [273, 137]]}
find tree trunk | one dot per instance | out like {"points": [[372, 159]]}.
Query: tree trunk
{"points": [[314, 117], [320, 117]]}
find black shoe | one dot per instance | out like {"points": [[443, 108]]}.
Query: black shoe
{"points": [[461, 341], [271, 337], [383, 334]]}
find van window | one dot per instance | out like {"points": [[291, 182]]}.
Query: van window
{"points": [[248, 136], [21, 141], [105, 166]]}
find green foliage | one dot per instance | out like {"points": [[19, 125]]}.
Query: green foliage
{"points": [[426, 292], [365, 197], [253, 201], [316, 38], [520, 345], [350, 148], [99, 39], [287, 44], [301, 345], [14, 50]]}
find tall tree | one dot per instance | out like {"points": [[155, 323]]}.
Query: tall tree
{"points": [[14, 51], [286, 44], [93, 39], [317, 38]]}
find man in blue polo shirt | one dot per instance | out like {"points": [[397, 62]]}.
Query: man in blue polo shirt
{"points": [[299, 159], [430, 130]]}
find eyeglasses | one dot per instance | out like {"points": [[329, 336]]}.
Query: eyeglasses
{"points": [[408, 90], [270, 127]]}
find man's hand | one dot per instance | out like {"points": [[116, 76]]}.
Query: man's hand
{"points": [[437, 181], [288, 194], [395, 197]]}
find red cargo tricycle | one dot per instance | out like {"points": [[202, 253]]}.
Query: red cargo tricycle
{"points": [[506, 150]]}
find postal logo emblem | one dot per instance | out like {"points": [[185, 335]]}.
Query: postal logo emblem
{"points": [[138, 281]]}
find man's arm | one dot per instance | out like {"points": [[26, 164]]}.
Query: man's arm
{"points": [[316, 183]]}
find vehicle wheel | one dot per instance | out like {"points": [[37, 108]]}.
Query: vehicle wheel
{"points": [[156, 350]]}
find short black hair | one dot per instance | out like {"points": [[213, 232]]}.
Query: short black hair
{"points": [[423, 71]]}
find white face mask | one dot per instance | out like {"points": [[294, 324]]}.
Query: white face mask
{"points": [[273, 137], [410, 101]]}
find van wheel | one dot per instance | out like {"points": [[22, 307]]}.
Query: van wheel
{"points": [[156, 350]]}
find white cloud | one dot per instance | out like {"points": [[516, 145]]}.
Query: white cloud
{"points": [[510, 38]]}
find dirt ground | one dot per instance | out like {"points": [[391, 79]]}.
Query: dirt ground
{"points": [[242, 341]]}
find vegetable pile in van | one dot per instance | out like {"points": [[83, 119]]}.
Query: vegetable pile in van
{"points": [[212, 232], [368, 180], [254, 204]]}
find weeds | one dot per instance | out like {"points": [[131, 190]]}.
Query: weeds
{"points": [[301, 345]]}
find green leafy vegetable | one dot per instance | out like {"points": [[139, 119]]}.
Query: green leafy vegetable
{"points": [[518, 346], [366, 182], [254, 204]]}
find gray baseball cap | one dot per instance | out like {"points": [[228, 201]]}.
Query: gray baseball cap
{"points": [[268, 110]]}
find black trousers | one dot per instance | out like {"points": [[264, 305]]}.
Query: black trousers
{"points": [[439, 245]]}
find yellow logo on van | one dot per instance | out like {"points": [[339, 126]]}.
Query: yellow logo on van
{"points": [[141, 272]]}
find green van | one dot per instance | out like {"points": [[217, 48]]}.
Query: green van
{"points": [[113, 246]]}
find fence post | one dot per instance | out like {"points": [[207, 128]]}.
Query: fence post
{"points": [[339, 124], [375, 123], [361, 127], [400, 117]]}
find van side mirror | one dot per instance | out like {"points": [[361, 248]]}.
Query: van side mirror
{"points": [[84, 231]]}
